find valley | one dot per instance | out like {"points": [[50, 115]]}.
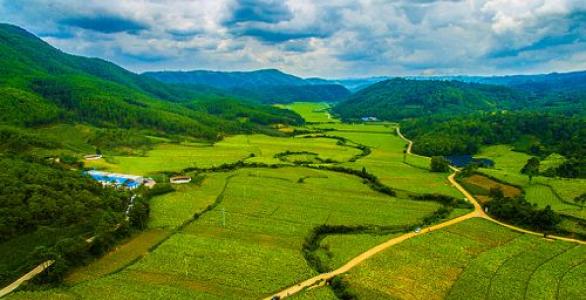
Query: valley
{"points": [[255, 221], [307, 150]]}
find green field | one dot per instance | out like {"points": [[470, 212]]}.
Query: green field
{"points": [[267, 214], [386, 162], [556, 192], [475, 259], [312, 112], [176, 157], [239, 234]]}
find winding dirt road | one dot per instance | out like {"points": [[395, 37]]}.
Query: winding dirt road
{"points": [[477, 213]]}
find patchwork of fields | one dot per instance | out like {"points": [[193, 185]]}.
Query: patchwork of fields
{"points": [[243, 233], [475, 259], [556, 192]]}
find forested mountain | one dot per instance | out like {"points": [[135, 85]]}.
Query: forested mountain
{"points": [[550, 90], [534, 132], [267, 86], [397, 99], [40, 84]]}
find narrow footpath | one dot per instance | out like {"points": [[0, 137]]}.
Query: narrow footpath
{"points": [[477, 213]]}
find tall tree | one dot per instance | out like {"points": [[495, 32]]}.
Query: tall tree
{"points": [[531, 168], [439, 164]]}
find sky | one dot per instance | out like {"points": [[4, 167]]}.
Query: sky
{"points": [[330, 38]]}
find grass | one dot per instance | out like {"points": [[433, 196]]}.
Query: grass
{"points": [[312, 112], [475, 259]]}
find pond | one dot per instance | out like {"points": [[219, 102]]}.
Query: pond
{"points": [[466, 159]]}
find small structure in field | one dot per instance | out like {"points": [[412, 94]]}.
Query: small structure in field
{"points": [[180, 179], [369, 119], [92, 157], [149, 182]]}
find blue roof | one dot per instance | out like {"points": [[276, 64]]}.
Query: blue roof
{"points": [[113, 179]]}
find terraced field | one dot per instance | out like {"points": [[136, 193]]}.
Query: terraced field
{"points": [[475, 259]]}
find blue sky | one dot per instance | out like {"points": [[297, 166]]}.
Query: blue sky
{"points": [[335, 38]]}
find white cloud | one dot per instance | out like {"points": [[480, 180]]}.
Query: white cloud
{"points": [[326, 38]]}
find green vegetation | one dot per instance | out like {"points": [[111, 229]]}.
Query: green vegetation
{"points": [[474, 260], [539, 134], [48, 212], [397, 99], [264, 212], [42, 85], [268, 85], [531, 168], [556, 192], [439, 164], [312, 112], [248, 244]]}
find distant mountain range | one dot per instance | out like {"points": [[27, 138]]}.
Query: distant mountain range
{"points": [[267, 85], [41, 85]]}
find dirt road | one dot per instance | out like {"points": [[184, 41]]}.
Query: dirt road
{"points": [[26, 277], [477, 213]]}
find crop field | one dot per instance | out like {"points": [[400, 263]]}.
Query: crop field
{"points": [[480, 187], [249, 245], [312, 112], [472, 260], [378, 127], [337, 249], [557, 192], [173, 209], [318, 293], [386, 162], [118, 258], [176, 157], [240, 234]]}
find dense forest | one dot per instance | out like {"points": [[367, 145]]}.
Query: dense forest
{"points": [[266, 86], [397, 99], [49, 212], [42, 85], [538, 134]]}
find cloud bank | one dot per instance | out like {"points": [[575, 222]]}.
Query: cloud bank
{"points": [[337, 38]]}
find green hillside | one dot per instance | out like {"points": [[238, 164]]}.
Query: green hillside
{"points": [[397, 99], [40, 84]]}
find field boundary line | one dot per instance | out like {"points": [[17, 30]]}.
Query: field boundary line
{"points": [[570, 269], [543, 263]]}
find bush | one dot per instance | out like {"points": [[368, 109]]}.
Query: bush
{"points": [[439, 164]]}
